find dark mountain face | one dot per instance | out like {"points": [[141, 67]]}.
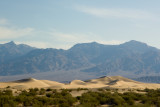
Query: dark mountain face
{"points": [[148, 79], [10, 51], [130, 58]]}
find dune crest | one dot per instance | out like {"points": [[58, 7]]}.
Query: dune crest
{"points": [[77, 82], [25, 80]]}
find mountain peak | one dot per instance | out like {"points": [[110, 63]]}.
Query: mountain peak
{"points": [[94, 42], [11, 43], [90, 44], [137, 46], [134, 42]]}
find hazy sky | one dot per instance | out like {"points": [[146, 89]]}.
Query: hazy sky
{"points": [[63, 23]]}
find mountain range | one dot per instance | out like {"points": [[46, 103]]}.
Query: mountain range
{"points": [[130, 59]]}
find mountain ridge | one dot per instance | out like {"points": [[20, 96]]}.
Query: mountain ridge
{"points": [[127, 59]]}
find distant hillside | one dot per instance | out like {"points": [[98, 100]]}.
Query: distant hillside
{"points": [[132, 58], [10, 51], [149, 79]]}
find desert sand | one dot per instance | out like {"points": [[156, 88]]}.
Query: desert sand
{"points": [[103, 82]]}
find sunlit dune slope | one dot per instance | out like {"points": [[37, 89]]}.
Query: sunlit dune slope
{"points": [[102, 82]]}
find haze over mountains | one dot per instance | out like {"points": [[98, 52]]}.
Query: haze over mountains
{"points": [[129, 59]]}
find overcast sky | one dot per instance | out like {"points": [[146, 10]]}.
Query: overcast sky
{"points": [[63, 23]]}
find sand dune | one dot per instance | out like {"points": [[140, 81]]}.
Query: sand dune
{"points": [[30, 83], [102, 82], [77, 82]]}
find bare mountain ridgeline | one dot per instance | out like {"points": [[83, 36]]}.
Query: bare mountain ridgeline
{"points": [[128, 59], [115, 82]]}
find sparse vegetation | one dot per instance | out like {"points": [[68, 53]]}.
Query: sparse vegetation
{"points": [[62, 98], [8, 87]]}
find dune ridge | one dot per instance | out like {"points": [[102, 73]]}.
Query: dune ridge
{"points": [[102, 82]]}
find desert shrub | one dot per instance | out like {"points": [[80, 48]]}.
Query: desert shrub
{"points": [[116, 100], [100, 89], [37, 105], [104, 98], [71, 100], [49, 95], [49, 89], [107, 89], [7, 92], [42, 91], [33, 92], [36, 89], [28, 101], [8, 87], [43, 100], [7, 101], [61, 99], [54, 91], [79, 89], [89, 99]]}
